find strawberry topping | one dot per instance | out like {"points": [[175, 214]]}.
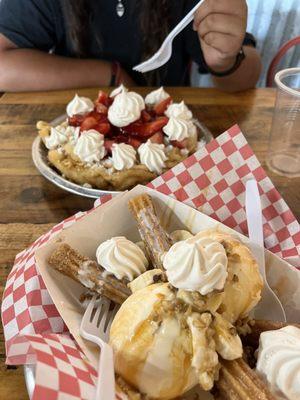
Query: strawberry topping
{"points": [[104, 99], [149, 126], [101, 108], [158, 138], [161, 107], [76, 120], [88, 123], [147, 129], [114, 140], [103, 127], [146, 117], [134, 142]]}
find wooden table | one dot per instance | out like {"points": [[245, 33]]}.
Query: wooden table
{"points": [[30, 205]]}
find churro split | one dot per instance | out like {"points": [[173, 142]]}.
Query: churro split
{"points": [[155, 238], [87, 272]]}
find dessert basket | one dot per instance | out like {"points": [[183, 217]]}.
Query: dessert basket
{"points": [[37, 305]]}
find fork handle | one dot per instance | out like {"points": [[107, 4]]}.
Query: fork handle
{"points": [[185, 21], [105, 389]]}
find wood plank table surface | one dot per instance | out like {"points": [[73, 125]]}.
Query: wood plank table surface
{"points": [[30, 205]]}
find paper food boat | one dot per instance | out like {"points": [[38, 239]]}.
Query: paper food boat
{"points": [[115, 219]]}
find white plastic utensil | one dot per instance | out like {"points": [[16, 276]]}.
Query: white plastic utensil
{"points": [[163, 55], [95, 327], [269, 307]]}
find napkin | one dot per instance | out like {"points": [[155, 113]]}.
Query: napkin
{"points": [[213, 181]]}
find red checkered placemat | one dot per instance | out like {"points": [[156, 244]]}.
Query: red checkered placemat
{"points": [[62, 372], [213, 181]]}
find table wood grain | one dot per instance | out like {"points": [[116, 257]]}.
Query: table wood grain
{"points": [[30, 205]]}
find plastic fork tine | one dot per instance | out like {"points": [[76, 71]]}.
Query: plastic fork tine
{"points": [[89, 311], [98, 313], [105, 315], [111, 318]]}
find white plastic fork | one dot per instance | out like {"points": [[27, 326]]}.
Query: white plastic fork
{"points": [[95, 327], [163, 55], [269, 307]]}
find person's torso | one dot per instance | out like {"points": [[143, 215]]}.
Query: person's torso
{"points": [[116, 38]]}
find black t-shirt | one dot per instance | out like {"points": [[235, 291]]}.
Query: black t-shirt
{"points": [[41, 24]]}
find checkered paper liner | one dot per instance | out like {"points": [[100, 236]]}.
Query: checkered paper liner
{"points": [[213, 181], [56, 356]]}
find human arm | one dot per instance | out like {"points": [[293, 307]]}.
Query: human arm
{"points": [[221, 26], [29, 31], [31, 69], [245, 77]]}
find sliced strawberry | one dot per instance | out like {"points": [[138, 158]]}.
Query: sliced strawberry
{"points": [[146, 117], [98, 116], [92, 119], [76, 120], [88, 123], [161, 107], [146, 129], [103, 127], [134, 142], [181, 145], [158, 138], [117, 139], [101, 108], [104, 99]]}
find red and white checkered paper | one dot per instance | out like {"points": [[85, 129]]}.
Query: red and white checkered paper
{"points": [[213, 181]]}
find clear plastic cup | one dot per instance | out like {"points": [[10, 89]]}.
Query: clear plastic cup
{"points": [[284, 145]]}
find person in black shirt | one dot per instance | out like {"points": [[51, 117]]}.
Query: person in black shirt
{"points": [[60, 44]]}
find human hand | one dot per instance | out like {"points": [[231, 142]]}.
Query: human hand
{"points": [[221, 27]]}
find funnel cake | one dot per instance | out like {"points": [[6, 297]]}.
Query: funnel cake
{"points": [[120, 140], [167, 340]]}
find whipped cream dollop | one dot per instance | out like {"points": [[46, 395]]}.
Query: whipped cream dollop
{"points": [[179, 110], [123, 156], [118, 90], [122, 258], [197, 264], [90, 146], [177, 128], [58, 136], [73, 133], [279, 361], [153, 156], [125, 109], [79, 105], [156, 96]]}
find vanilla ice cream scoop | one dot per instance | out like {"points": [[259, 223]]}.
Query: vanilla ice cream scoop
{"points": [[197, 265], [153, 352], [279, 361]]}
